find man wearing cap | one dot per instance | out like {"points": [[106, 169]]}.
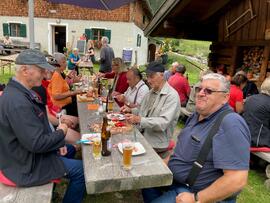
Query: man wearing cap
{"points": [[180, 84], [28, 148], [159, 111]]}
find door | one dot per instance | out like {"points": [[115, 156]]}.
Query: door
{"points": [[58, 38]]}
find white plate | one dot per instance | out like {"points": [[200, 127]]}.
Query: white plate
{"points": [[86, 138], [139, 149], [117, 116]]}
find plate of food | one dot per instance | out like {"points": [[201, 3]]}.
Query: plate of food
{"points": [[88, 138], [84, 98], [137, 150], [116, 116], [95, 127]]}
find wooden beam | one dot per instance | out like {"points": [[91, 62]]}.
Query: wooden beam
{"points": [[162, 13], [215, 6]]}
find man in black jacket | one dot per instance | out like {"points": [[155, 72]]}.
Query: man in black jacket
{"points": [[29, 150]]}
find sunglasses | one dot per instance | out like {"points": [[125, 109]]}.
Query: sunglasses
{"points": [[207, 91]]}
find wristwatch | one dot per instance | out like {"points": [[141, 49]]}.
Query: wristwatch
{"points": [[196, 198]]}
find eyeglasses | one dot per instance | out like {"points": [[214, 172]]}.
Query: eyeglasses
{"points": [[207, 91]]}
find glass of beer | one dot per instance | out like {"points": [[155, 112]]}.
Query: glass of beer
{"points": [[97, 148], [110, 105], [127, 154]]}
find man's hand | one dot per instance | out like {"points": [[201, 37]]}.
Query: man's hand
{"points": [[131, 118], [114, 93], [120, 98], [125, 109], [68, 122], [63, 151], [185, 197], [63, 127]]}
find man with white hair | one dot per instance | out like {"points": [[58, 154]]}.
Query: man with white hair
{"points": [[106, 56], [208, 169], [30, 153], [171, 71]]}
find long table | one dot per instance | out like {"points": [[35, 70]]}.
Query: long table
{"points": [[107, 175]]}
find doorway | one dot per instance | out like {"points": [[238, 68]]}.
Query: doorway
{"points": [[151, 52], [58, 38]]}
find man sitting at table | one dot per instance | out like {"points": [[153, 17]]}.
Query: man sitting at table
{"points": [[28, 148], [159, 111], [225, 170], [136, 91]]}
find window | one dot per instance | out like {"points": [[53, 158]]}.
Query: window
{"points": [[139, 39], [96, 34], [14, 29]]}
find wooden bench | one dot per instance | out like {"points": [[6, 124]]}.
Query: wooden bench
{"points": [[38, 194], [265, 156]]}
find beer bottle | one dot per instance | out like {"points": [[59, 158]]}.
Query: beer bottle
{"points": [[108, 99], [99, 86], [105, 136]]}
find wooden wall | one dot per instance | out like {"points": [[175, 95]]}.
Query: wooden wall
{"points": [[246, 28], [251, 31]]}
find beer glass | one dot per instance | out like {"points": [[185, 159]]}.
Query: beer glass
{"points": [[127, 154], [97, 148]]}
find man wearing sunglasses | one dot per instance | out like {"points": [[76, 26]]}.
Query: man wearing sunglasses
{"points": [[225, 170]]}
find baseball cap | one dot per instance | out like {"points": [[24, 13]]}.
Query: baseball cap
{"points": [[33, 57], [154, 67]]}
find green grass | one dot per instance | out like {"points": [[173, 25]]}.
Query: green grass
{"points": [[194, 48]]}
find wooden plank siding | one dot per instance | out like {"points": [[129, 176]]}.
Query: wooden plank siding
{"points": [[252, 30]]}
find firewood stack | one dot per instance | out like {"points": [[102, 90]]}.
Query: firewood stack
{"points": [[252, 60]]}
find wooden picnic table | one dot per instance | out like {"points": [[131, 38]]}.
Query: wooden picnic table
{"points": [[107, 175], [88, 65], [7, 60]]}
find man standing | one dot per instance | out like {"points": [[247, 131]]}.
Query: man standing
{"points": [[159, 111], [106, 56], [180, 84], [136, 91], [225, 170], [28, 148], [171, 71]]}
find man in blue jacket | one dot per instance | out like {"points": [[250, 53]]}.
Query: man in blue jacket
{"points": [[29, 150]]}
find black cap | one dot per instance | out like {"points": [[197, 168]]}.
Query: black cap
{"points": [[33, 57], [155, 67]]}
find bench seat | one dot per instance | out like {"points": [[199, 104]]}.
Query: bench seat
{"points": [[38, 194]]}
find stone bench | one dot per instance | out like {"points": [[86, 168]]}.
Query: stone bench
{"points": [[265, 156], [37, 194]]}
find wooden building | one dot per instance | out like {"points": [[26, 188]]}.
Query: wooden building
{"points": [[239, 31]]}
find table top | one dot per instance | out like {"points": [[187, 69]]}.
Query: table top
{"points": [[10, 58], [107, 175], [85, 64]]}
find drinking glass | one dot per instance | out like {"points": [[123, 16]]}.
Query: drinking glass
{"points": [[127, 148], [96, 148]]}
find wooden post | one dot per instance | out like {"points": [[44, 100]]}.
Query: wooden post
{"points": [[264, 65], [233, 60]]}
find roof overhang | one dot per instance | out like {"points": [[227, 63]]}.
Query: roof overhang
{"points": [[190, 19]]}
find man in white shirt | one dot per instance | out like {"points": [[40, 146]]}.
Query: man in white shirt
{"points": [[136, 91]]}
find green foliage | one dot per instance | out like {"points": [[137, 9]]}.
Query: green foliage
{"points": [[194, 48]]}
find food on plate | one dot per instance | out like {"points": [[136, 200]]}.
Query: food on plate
{"points": [[84, 98], [116, 116]]}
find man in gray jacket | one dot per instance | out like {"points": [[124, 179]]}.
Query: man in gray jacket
{"points": [[29, 150], [106, 56], [159, 110]]}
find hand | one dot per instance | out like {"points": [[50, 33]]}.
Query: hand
{"points": [[114, 93], [120, 98], [125, 109], [63, 151], [185, 197], [68, 122], [63, 127], [100, 75], [78, 91], [131, 118]]}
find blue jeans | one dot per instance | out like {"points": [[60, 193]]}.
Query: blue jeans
{"points": [[76, 187], [168, 194]]}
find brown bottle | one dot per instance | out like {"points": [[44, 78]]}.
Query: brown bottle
{"points": [[105, 136], [99, 86]]}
